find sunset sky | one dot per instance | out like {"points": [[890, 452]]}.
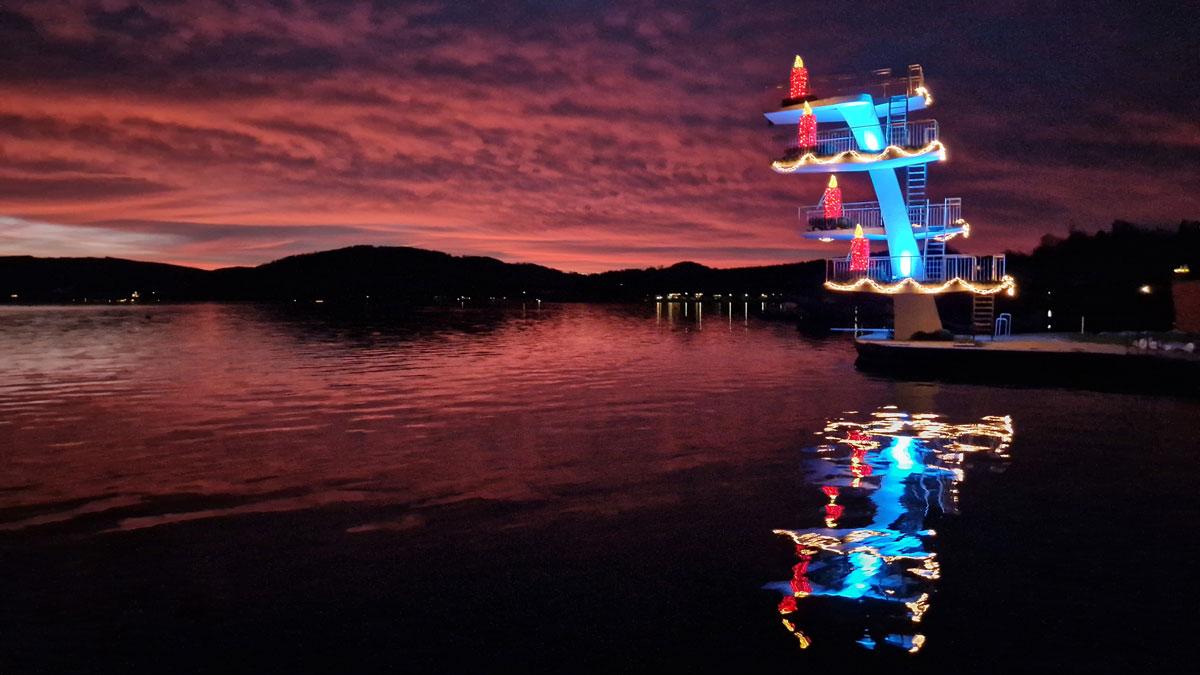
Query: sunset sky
{"points": [[580, 135]]}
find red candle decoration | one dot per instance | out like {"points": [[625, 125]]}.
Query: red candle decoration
{"points": [[860, 251], [833, 199], [798, 85], [806, 131]]}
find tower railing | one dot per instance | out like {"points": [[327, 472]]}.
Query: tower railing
{"points": [[868, 214], [980, 269], [880, 84], [914, 134]]}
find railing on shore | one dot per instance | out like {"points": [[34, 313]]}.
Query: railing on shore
{"points": [[914, 134], [982, 269], [867, 214]]}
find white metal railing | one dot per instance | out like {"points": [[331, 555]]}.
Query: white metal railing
{"points": [[989, 268], [1003, 325], [878, 268], [915, 134], [867, 214]]}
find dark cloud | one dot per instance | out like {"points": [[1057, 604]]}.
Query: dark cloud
{"points": [[75, 190], [131, 21]]}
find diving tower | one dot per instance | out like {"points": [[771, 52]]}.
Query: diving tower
{"points": [[856, 126]]}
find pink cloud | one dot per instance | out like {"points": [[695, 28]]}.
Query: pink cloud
{"points": [[580, 140]]}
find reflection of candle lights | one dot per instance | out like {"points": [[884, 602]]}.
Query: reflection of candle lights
{"points": [[859, 468], [887, 559], [832, 513]]}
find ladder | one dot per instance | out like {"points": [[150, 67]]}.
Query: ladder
{"points": [[933, 245], [897, 120], [983, 314], [915, 178]]}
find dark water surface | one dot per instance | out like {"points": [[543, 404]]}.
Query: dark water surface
{"points": [[241, 488]]}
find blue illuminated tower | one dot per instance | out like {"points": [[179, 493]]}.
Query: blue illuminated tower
{"points": [[869, 128]]}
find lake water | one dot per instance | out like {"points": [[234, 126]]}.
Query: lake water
{"points": [[235, 487]]}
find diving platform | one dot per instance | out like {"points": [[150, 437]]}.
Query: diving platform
{"points": [[929, 219], [909, 135], [837, 92], [978, 272], [867, 147], [891, 157]]}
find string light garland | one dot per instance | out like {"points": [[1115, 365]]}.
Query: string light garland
{"points": [[922, 91], [806, 129], [856, 157], [832, 201], [1006, 283], [966, 231], [860, 251], [798, 84]]}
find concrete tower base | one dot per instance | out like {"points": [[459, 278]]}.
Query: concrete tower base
{"points": [[913, 313]]}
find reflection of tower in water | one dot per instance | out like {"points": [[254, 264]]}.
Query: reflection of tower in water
{"points": [[882, 478]]}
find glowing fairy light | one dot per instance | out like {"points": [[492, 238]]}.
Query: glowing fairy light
{"points": [[854, 156], [960, 223], [911, 285]]}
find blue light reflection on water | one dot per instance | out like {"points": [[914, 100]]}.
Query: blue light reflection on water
{"points": [[884, 476]]}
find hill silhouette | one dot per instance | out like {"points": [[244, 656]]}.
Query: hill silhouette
{"points": [[385, 274], [1098, 277]]}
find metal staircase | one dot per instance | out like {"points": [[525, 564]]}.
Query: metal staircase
{"points": [[983, 314]]}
